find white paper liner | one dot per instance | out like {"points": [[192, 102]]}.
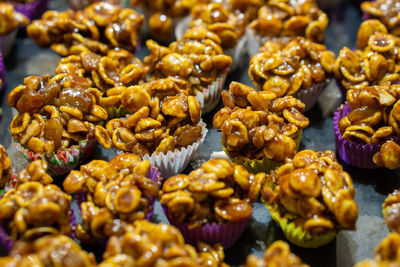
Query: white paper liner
{"points": [[175, 161], [255, 41], [209, 97], [7, 41], [237, 53], [309, 96]]}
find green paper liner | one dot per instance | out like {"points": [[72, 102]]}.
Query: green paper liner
{"points": [[62, 161], [295, 234], [116, 112], [260, 165]]}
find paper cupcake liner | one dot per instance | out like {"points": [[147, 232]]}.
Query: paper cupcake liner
{"points": [[341, 88], [224, 233], [209, 97], [309, 96], [295, 234], [353, 153], [62, 161], [175, 161], [2, 73], [260, 165], [32, 10], [237, 52], [6, 42], [256, 41]]}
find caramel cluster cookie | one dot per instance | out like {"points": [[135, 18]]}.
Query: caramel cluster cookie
{"points": [[278, 18], [5, 167], [386, 11], [32, 209], [375, 62], [52, 250], [97, 28], [115, 194], [314, 191], [164, 118], [54, 113], [197, 58], [283, 67], [277, 254], [149, 244], [10, 19], [373, 118], [256, 124], [219, 191]]}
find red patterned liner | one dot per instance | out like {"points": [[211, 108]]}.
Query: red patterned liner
{"points": [[211, 233], [353, 153]]}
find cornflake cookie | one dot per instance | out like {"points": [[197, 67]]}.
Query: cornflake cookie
{"points": [[391, 211], [10, 19], [149, 244], [5, 168], [386, 11], [52, 250], [375, 62], [114, 195], [98, 28], [257, 125], [277, 254], [311, 197]]}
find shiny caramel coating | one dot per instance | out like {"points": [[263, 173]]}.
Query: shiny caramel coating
{"points": [[111, 73], [388, 156], [117, 193], [256, 124], [386, 11], [54, 112], [291, 18], [284, 68], [375, 62], [197, 57], [34, 172], [374, 115], [32, 209], [5, 167], [277, 254], [219, 191], [10, 19], [163, 118], [51, 250], [149, 244], [70, 33], [314, 189], [391, 210], [387, 253]]}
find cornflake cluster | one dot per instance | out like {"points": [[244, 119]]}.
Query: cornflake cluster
{"points": [[257, 124], [117, 193], [32, 209], [278, 18], [10, 19], [283, 67], [391, 210], [386, 11], [219, 191], [97, 28], [197, 58], [314, 189], [216, 18], [164, 117], [34, 172], [149, 244], [374, 115], [388, 155], [277, 254], [51, 250], [54, 113], [111, 73], [5, 167], [376, 61]]}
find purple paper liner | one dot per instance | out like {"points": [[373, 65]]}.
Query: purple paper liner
{"points": [[2, 73], [224, 233], [353, 153], [73, 224], [32, 10]]}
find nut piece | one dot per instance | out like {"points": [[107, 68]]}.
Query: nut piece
{"points": [[278, 253], [257, 124], [149, 244], [313, 189], [219, 191], [49, 250], [117, 193]]}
